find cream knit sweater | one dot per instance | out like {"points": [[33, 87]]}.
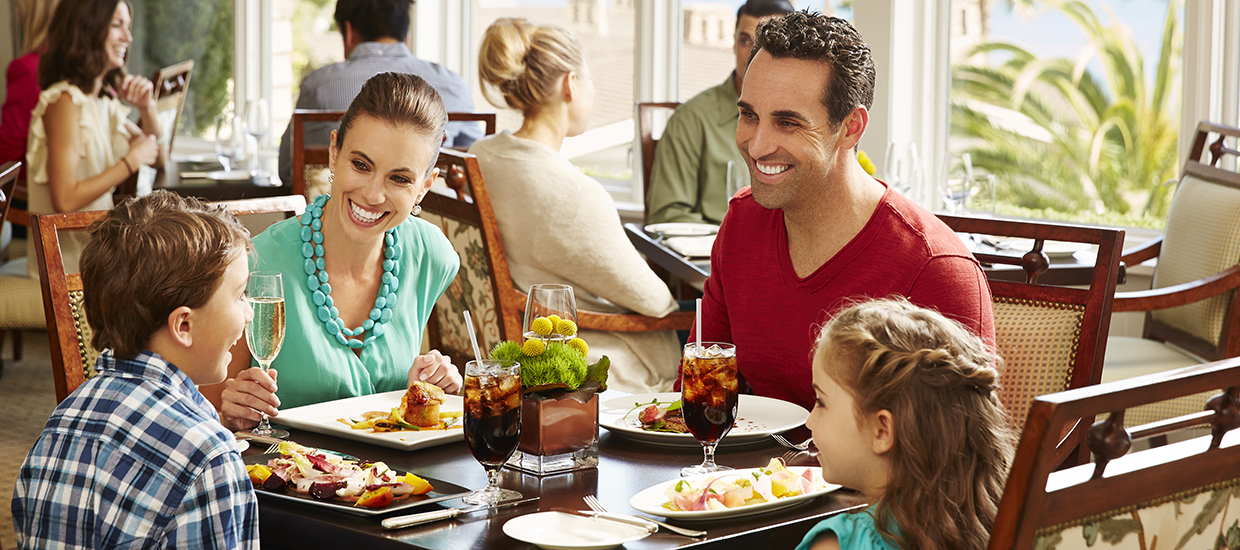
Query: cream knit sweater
{"points": [[560, 226]]}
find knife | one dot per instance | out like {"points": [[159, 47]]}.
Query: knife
{"points": [[410, 520]]}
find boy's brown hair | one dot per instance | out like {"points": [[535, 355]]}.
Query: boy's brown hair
{"points": [[149, 256]]}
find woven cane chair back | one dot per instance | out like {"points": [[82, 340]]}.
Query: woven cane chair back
{"points": [[1051, 338], [1185, 495]]}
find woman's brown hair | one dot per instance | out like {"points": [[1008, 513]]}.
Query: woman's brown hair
{"points": [[75, 50], [952, 445], [399, 99], [523, 61], [150, 256]]}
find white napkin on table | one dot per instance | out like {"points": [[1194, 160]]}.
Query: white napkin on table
{"points": [[691, 247]]}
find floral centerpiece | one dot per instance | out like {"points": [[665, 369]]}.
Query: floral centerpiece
{"points": [[559, 404]]}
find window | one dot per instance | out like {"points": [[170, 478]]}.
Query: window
{"points": [[1075, 109]]}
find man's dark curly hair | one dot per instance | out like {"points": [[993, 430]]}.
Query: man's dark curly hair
{"points": [[829, 40]]}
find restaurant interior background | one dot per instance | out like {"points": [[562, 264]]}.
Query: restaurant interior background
{"points": [[1081, 109]]}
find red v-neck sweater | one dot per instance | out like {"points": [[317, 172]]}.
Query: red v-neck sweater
{"points": [[754, 299]]}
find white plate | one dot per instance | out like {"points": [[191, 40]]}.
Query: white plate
{"points": [[651, 500], [242, 445], [691, 247], [682, 229], [234, 175], [556, 531], [757, 418], [322, 418]]}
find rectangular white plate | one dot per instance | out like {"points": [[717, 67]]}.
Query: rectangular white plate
{"points": [[322, 418]]}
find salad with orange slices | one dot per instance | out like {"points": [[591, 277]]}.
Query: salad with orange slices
{"points": [[733, 490]]}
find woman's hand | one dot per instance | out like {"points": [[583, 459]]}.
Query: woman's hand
{"points": [[143, 150], [244, 396], [436, 368], [138, 91]]}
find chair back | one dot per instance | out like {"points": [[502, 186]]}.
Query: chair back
{"points": [[645, 132], [1051, 338], [461, 207], [1184, 495], [171, 89], [487, 120], [8, 187], [1202, 238], [69, 334]]}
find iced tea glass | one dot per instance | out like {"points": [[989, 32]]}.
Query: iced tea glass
{"points": [[708, 393], [492, 421]]}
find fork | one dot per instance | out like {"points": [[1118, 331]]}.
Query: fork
{"points": [[271, 449], [597, 506], [804, 446]]}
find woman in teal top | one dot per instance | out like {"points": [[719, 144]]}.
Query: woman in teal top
{"points": [[360, 273]]}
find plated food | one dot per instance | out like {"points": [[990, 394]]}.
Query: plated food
{"points": [[758, 418], [329, 476], [655, 499], [418, 410], [324, 418], [661, 417]]}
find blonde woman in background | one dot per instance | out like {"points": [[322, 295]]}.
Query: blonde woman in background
{"points": [[559, 225], [22, 80]]}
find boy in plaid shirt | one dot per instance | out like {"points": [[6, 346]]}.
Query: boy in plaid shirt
{"points": [[136, 457]]}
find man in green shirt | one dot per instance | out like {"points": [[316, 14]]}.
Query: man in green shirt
{"points": [[688, 180]]}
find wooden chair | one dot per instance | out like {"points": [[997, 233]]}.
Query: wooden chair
{"points": [[645, 132], [1184, 495], [1191, 310], [309, 160], [462, 209], [1051, 338], [19, 295], [69, 335]]}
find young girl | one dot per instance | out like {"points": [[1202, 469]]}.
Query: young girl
{"points": [[906, 412]]}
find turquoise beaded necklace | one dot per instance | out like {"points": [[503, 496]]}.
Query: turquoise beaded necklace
{"points": [[321, 291]]}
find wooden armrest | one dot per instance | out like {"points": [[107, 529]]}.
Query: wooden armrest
{"points": [[1142, 253], [1178, 295], [18, 216], [616, 322]]}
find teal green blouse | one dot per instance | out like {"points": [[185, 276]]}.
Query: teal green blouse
{"points": [[313, 366], [855, 532]]}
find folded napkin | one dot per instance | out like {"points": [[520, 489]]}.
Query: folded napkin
{"points": [[691, 247]]}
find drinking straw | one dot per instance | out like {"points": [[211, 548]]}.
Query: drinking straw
{"points": [[699, 326], [473, 338]]}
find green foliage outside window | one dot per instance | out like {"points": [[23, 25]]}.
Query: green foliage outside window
{"points": [[201, 30], [1088, 147]]}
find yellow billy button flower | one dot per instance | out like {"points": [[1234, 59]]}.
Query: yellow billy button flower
{"points": [[533, 347], [566, 327], [579, 345], [555, 319], [542, 326]]}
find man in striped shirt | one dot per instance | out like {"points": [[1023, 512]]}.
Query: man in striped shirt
{"points": [[374, 34]]}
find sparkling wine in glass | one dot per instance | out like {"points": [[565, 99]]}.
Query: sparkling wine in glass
{"points": [[708, 396], [265, 331], [492, 421], [548, 300], [902, 169]]}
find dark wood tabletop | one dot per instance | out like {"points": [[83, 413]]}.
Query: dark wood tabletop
{"points": [[212, 190], [625, 468]]}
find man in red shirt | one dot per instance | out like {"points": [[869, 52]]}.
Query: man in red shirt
{"points": [[815, 232]]}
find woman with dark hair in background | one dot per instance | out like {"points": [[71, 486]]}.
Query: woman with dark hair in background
{"points": [[81, 145]]}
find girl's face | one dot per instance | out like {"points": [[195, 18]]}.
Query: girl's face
{"points": [[116, 45], [845, 444], [379, 175]]}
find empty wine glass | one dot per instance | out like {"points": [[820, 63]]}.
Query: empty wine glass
{"points": [[957, 181], [738, 177], [265, 331], [902, 166], [257, 124], [548, 300], [229, 140]]}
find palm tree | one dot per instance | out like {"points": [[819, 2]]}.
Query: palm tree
{"points": [[1063, 138]]}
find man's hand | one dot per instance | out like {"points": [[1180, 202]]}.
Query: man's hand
{"points": [[246, 395], [437, 369]]}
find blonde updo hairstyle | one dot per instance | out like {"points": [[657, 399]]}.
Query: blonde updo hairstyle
{"points": [[952, 445], [521, 62]]}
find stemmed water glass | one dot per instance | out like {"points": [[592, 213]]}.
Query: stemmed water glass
{"points": [[265, 331], [492, 421], [708, 397], [738, 177], [957, 181], [229, 140], [257, 123], [548, 300], [902, 166]]}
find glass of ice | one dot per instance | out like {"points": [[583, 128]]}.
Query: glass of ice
{"points": [[708, 394], [492, 421]]}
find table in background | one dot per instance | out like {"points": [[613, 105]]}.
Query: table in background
{"points": [[170, 178], [625, 468]]}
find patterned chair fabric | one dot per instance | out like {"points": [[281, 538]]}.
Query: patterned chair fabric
{"points": [[1038, 341], [470, 291]]}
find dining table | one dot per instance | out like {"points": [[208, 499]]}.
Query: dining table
{"points": [[625, 468], [196, 177]]}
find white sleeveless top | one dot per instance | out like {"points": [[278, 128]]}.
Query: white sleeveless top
{"points": [[104, 140]]}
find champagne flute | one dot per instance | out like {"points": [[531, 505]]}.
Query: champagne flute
{"points": [[708, 398], [902, 166], [492, 421], [265, 331]]}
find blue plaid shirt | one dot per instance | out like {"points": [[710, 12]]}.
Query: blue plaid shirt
{"points": [[135, 457]]}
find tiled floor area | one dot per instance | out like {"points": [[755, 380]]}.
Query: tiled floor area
{"points": [[27, 397]]}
